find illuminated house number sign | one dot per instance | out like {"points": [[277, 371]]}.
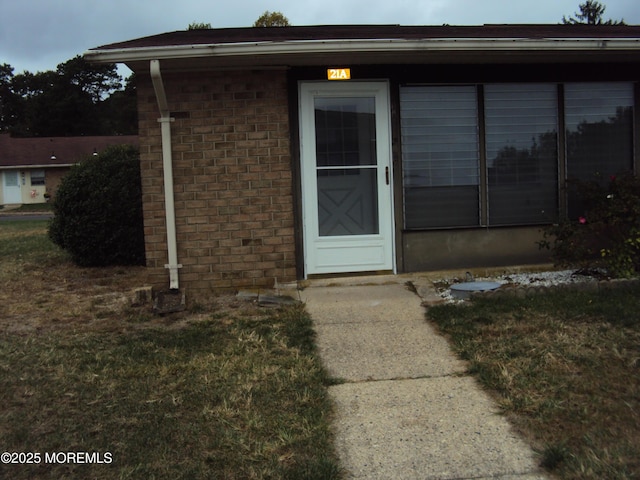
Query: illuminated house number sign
{"points": [[339, 73]]}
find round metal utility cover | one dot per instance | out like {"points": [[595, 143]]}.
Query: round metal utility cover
{"points": [[464, 290]]}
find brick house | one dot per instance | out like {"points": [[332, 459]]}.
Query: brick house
{"points": [[276, 154], [32, 168]]}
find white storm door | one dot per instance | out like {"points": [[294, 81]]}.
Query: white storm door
{"points": [[11, 187], [346, 177]]}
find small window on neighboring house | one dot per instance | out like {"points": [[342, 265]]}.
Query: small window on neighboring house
{"points": [[37, 177]]}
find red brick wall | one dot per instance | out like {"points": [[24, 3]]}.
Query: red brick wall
{"points": [[232, 175]]}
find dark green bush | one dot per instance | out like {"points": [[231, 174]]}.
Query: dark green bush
{"points": [[607, 234], [98, 210]]}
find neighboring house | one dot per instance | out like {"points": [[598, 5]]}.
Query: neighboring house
{"points": [[291, 152], [31, 168]]}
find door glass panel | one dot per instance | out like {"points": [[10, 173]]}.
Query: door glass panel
{"points": [[11, 179], [345, 131], [346, 166], [347, 202]]}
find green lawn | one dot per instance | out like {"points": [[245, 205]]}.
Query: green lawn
{"points": [[565, 368]]}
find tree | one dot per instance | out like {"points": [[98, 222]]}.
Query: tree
{"points": [[591, 13], [98, 81], [78, 98], [272, 19], [199, 26], [8, 99], [52, 107], [119, 111], [98, 210]]}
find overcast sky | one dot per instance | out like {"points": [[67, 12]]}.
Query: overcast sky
{"points": [[37, 35]]}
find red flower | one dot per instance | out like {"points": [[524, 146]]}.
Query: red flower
{"points": [[582, 220]]}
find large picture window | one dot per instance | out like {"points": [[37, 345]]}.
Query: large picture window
{"points": [[522, 153], [440, 156], [459, 171]]}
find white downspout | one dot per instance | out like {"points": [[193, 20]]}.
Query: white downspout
{"points": [[167, 167]]}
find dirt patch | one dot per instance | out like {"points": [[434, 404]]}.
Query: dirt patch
{"points": [[41, 298], [34, 298]]}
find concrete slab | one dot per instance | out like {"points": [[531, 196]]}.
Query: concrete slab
{"points": [[384, 351], [376, 333], [408, 410], [442, 428]]}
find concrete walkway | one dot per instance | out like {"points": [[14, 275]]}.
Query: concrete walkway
{"points": [[406, 409]]}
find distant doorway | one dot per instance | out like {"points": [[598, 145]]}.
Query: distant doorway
{"points": [[11, 192]]}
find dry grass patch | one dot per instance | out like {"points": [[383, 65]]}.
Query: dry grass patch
{"points": [[565, 367], [41, 288], [226, 390]]}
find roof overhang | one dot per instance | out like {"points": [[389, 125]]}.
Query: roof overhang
{"points": [[374, 51]]}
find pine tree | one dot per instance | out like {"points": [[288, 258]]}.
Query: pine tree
{"points": [[591, 13]]}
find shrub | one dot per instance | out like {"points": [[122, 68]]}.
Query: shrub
{"points": [[98, 210], [607, 234]]}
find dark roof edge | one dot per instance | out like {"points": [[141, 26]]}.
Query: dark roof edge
{"points": [[372, 32]]}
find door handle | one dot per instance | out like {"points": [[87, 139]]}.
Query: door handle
{"points": [[386, 174]]}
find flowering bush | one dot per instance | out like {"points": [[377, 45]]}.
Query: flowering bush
{"points": [[607, 234]]}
